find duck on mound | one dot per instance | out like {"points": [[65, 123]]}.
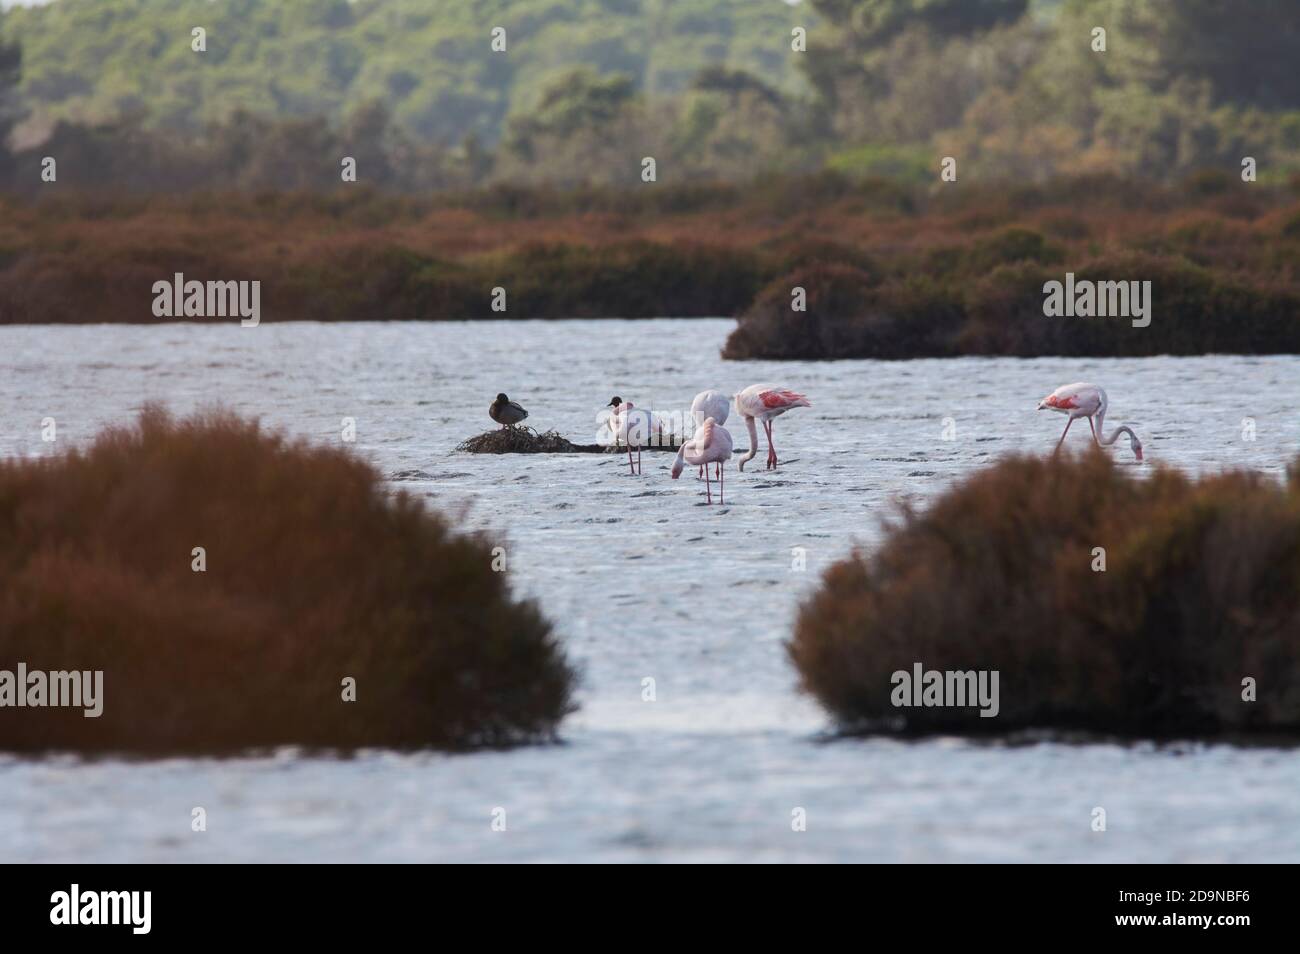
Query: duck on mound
{"points": [[506, 412]]}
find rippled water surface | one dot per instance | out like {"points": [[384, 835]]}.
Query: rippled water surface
{"points": [[644, 580]]}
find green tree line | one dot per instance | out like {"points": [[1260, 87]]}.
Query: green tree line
{"points": [[714, 89]]}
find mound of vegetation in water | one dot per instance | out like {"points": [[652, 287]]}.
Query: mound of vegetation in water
{"points": [[314, 586], [1160, 607], [850, 313], [522, 439], [517, 440], [988, 299]]}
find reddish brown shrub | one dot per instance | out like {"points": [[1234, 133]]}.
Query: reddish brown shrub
{"points": [[1201, 590], [314, 573]]}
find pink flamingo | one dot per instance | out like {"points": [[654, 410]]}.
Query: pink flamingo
{"points": [[1087, 400], [710, 445], [765, 402], [710, 404]]}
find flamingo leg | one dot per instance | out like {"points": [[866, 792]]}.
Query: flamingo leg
{"points": [[1063, 433], [722, 485], [638, 461], [708, 489], [1094, 432], [630, 471], [771, 448]]}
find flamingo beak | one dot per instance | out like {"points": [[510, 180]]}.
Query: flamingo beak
{"points": [[1138, 452]]}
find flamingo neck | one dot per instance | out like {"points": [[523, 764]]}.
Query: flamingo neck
{"points": [[1114, 435], [753, 441], [1100, 419]]}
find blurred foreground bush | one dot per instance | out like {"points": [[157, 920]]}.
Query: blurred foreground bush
{"points": [[1201, 590], [314, 573]]}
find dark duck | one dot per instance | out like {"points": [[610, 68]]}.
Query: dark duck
{"points": [[506, 412]]}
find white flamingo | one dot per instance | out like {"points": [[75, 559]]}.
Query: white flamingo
{"points": [[1087, 400], [765, 402], [710, 404], [710, 445], [631, 426]]}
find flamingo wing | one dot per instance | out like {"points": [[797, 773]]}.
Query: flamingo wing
{"points": [[1083, 399], [720, 449], [711, 444], [761, 400], [783, 398]]}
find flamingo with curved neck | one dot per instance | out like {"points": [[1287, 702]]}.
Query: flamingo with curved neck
{"points": [[710, 445], [1090, 401], [765, 402]]}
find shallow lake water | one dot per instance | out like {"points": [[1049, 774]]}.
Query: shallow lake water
{"points": [[643, 580]]}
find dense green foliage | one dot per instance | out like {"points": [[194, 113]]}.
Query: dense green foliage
{"points": [[10, 111], [1179, 85], [429, 61], [1012, 89]]}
